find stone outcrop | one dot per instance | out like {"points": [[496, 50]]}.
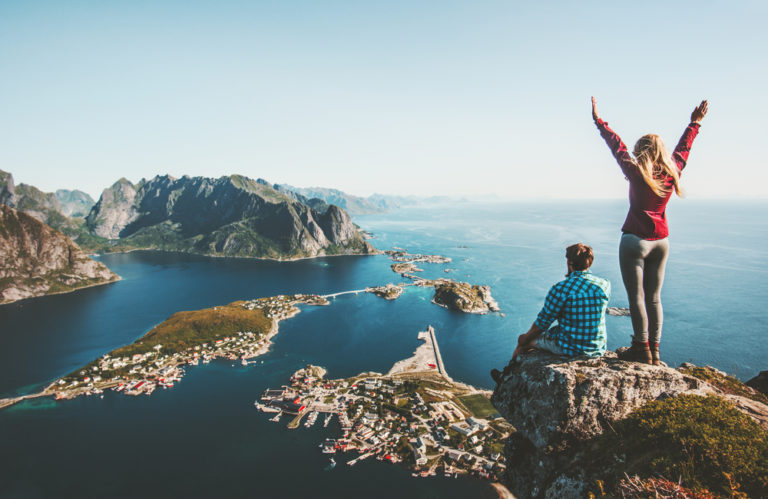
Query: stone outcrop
{"points": [[559, 405], [234, 216], [464, 297], [38, 260], [404, 268], [759, 382], [388, 292], [7, 189], [115, 209]]}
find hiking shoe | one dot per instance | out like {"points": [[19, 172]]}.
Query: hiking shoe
{"points": [[655, 359], [496, 375], [638, 352]]}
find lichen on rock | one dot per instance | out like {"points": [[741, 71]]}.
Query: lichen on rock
{"points": [[563, 408]]}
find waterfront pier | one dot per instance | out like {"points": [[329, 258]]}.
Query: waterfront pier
{"points": [[438, 357]]}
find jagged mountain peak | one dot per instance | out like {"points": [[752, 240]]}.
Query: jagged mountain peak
{"points": [[232, 214]]}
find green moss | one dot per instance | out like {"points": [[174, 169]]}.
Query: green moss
{"points": [[703, 441], [727, 384]]}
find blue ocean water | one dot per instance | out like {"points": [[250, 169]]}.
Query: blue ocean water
{"points": [[203, 437]]}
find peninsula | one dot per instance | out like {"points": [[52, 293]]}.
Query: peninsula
{"points": [[240, 330], [415, 415]]}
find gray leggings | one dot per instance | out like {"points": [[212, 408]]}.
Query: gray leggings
{"points": [[642, 265]]}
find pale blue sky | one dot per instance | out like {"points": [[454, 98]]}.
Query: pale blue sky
{"points": [[396, 97]]}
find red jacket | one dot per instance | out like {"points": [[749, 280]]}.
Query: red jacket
{"points": [[647, 217]]}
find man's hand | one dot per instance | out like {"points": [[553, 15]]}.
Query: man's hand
{"points": [[594, 109], [524, 340], [522, 344], [698, 114]]}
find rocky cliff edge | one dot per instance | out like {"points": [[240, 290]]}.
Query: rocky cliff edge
{"points": [[605, 426]]}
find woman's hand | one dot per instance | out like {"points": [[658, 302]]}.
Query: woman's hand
{"points": [[697, 115], [594, 109]]}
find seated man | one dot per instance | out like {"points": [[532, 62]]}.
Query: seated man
{"points": [[578, 304]]}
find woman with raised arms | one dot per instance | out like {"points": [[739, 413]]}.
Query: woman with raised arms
{"points": [[653, 176]]}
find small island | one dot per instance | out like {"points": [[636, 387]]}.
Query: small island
{"points": [[405, 268], [402, 256], [388, 292], [617, 311], [415, 415], [465, 297]]}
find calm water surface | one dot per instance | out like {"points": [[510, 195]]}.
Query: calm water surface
{"points": [[203, 437]]}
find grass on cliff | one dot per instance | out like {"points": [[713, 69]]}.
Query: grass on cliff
{"points": [[728, 384], [702, 441], [188, 329]]}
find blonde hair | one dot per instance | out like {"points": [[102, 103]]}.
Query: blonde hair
{"points": [[655, 164]]}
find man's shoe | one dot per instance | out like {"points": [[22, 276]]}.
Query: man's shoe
{"points": [[496, 375], [655, 359], [638, 352]]}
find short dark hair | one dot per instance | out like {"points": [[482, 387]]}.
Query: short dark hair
{"points": [[580, 255]]}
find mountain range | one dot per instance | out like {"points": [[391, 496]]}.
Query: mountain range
{"points": [[354, 205], [229, 216]]}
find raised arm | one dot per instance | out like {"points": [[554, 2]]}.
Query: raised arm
{"points": [[683, 149], [615, 144]]}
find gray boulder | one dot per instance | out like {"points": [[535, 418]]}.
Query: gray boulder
{"points": [[559, 405]]}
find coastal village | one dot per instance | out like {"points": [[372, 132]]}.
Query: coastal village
{"points": [[159, 360], [238, 332], [415, 415]]}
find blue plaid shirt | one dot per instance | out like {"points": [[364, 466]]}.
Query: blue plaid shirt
{"points": [[578, 304]]}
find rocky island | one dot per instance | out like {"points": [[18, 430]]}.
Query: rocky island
{"points": [[618, 311], [38, 260], [405, 268], [602, 426], [388, 292], [402, 256], [464, 297]]}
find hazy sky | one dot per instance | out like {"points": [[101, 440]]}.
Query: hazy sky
{"points": [[411, 97]]}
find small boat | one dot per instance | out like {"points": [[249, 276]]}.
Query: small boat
{"points": [[333, 463], [276, 418]]}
